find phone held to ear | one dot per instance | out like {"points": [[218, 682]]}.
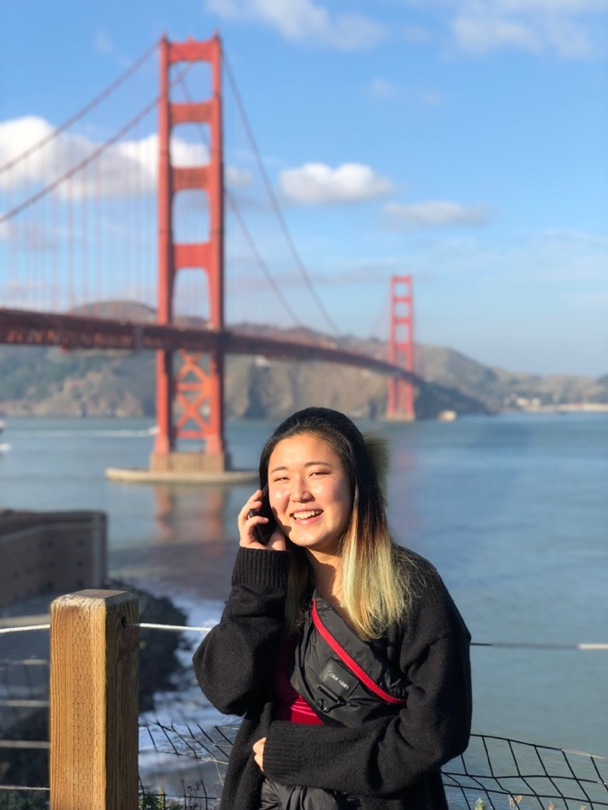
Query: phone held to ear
{"points": [[263, 531]]}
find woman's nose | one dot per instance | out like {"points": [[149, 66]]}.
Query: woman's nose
{"points": [[300, 491]]}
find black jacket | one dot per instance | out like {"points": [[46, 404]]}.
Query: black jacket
{"points": [[392, 762]]}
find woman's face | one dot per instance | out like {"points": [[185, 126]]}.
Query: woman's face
{"points": [[310, 492]]}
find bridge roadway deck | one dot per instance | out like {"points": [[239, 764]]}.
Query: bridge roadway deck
{"points": [[22, 327]]}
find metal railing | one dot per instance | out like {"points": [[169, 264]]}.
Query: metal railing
{"points": [[102, 756]]}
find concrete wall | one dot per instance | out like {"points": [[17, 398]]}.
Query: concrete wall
{"points": [[50, 552]]}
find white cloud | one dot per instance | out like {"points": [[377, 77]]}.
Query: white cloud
{"points": [[184, 153], [565, 235], [102, 42], [417, 34], [110, 175], [537, 26], [570, 255], [238, 178], [436, 213], [6, 231], [430, 98], [552, 6], [381, 88], [126, 168], [476, 32], [304, 21], [385, 90], [18, 135], [36, 236], [525, 258], [318, 184]]}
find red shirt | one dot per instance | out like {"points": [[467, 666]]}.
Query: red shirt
{"points": [[288, 704]]}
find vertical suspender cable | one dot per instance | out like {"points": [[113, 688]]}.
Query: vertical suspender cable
{"points": [[56, 248], [273, 198], [85, 238], [138, 204], [97, 235], [246, 233], [70, 204]]}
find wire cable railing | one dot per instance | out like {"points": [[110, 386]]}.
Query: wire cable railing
{"points": [[506, 645], [183, 764], [494, 772]]}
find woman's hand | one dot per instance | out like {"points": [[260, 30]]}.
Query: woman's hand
{"points": [[247, 537], [258, 753]]}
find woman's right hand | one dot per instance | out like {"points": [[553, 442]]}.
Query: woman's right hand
{"points": [[247, 537]]}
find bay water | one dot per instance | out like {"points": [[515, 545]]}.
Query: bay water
{"points": [[512, 510]]}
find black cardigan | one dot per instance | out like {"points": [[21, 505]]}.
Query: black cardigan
{"points": [[391, 763]]}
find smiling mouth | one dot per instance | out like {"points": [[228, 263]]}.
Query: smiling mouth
{"points": [[310, 513]]}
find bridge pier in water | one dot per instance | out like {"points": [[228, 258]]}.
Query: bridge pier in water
{"points": [[190, 382], [182, 378]]}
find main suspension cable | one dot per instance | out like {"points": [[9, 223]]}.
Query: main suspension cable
{"points": [[41, 193], [83, 111], [239, 217], [273, 198]]}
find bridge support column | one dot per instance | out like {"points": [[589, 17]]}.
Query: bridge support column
{"points": [[401, 349], [188, 383]]}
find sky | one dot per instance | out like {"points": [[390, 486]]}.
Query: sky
{"points": [[463, 142]]}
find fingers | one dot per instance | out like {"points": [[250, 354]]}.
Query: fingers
{"points": [[258, 753], [247, 521], [253, 502]]}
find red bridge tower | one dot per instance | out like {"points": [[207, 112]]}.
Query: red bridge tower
{"points": [[197, 388], [401, 348]]}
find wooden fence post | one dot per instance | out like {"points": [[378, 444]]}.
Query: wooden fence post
{"points": [[94, 692]]}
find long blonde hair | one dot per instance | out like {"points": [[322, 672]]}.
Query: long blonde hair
{"points": [[377, 575]]}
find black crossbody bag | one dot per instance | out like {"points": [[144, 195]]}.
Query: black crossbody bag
{"points": [[344, 679]]}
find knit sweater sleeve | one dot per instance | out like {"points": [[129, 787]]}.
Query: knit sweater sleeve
{"points": [[383, 757], [237, 657]]}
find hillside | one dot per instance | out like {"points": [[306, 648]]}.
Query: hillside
{"points": [[508, 390], [38, 381], [44, 381]]}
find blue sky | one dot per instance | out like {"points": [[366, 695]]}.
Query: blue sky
{"points": [[464, 142]]}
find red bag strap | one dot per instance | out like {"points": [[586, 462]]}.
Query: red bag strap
{"points": [[350, 662]]}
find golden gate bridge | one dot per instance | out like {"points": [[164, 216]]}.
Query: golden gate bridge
{"points": [[90, 232]]}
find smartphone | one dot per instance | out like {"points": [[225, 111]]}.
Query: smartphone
{"points": [[263, 531]]}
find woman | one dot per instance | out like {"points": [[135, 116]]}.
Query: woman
{"points": [[344, 652]]}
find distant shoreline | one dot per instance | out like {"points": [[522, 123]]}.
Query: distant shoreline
{"points": [[572, 407]]}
